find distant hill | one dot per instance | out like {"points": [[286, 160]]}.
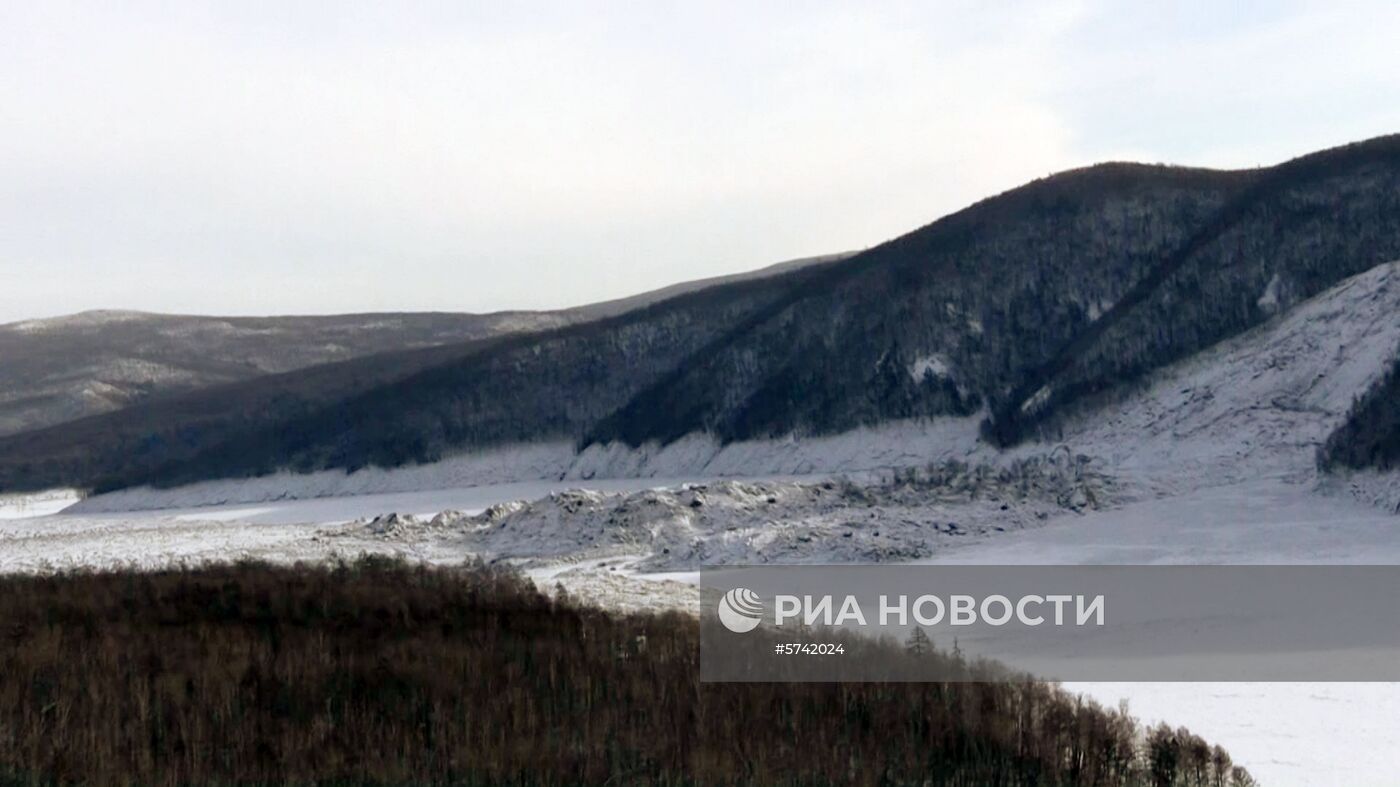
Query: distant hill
{"points": [[60, 369], [64, 368], [1024, 307]]}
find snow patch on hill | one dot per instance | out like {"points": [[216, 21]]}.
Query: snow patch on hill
{"points": [[1269, 301], [95, 318], [936, 365], [892, 445], [505, 465], [1259, 404], [695, 457]]}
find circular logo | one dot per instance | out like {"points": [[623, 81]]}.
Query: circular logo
{"points": [[740, 610]]}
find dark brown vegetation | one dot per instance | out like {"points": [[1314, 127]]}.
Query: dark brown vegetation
{"points": [[380, 673]]}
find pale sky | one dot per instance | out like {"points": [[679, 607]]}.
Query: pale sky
{"points": [[281, 157]]}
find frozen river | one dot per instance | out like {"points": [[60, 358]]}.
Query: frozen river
{"points": [[1287, 734], [1319, 734]]}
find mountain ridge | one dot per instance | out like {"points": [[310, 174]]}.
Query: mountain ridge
{"points": [[58, 369], [1260, 404], [982, 303]]}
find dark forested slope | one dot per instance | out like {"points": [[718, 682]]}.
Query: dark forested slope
{"points": [[524, 385], [1019, 305], [1302, 227], [940, 320], [1033, 300], [65, 368]]}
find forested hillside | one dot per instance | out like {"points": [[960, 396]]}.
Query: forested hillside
{"points": [[386, 673], [65, 368], [940, 320], [1018, 306], [1300, 228], [61, 369], [1032, 300], [712, 360], [532, 383]]}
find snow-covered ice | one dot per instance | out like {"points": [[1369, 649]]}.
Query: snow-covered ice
{"points": [[1349, 737], [1303, 734], [1261, 522], [1287, 734]]}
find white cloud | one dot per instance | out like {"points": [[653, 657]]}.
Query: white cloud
{"points": [[333, 157]]}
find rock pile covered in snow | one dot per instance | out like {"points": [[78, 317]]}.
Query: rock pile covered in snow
{"points": [[904, 516]]}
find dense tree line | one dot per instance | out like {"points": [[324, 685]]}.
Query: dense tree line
{"points": [[1370, 436], [383, 673]]}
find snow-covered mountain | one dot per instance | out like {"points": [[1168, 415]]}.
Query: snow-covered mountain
{"points": [[1027, 315], [1257, 405]]}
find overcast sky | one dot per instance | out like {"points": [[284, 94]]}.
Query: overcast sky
{"points": [[280, 157]]}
